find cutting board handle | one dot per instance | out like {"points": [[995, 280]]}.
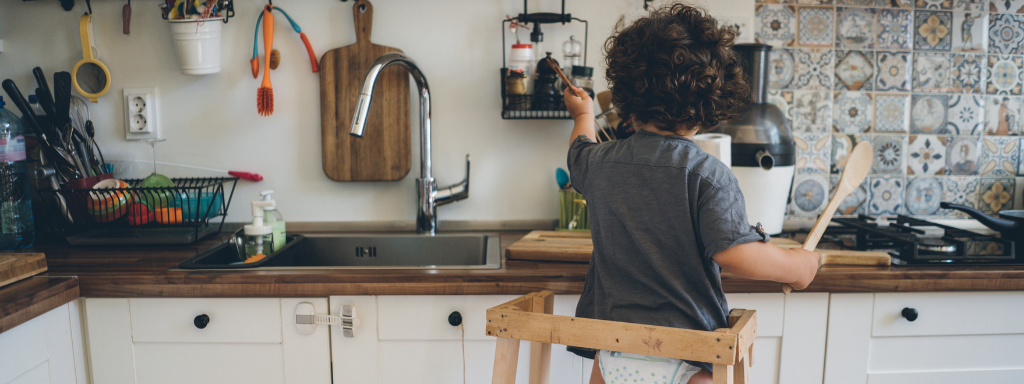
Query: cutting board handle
{"points": [[362, 18]]}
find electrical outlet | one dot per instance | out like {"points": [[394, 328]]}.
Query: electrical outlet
{"points": [[141, 114]]}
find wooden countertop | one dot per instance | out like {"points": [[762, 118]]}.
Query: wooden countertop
{"points": [[34, 296], [134, 271]]}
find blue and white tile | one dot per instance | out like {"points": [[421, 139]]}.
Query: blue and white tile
{"points": [[933, 31], [894, 29], [970, 5], [814, 2], [1000, 156], [855, 28], [1005, 75], [968, 73], [886, 195], [855, 70], [966, 115], [928, 113], [775, 25], [926, 155], [815, 26], [814, 69], [959, 190], [1007, 6], [923, 196], [970, 32], [783, 100], [812, 153], [896, 3], [1006, 34], [858, 3], [809, 195], [812, 111], [1003, 116], [932, 72], [963, 155], [892, 113], [996, 195], [890, 151], [855, 203], [933, 4], [842, 144], [853, 112], [781, 68], [892, 71]]}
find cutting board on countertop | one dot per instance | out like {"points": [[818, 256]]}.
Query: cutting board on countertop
{"points": [[384, 152], [577, 247], [17, 266]]}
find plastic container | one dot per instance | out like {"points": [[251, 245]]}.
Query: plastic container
{"points": [[17, 228], [197, 44], [571, 208], [522, 59], [206, 205]]}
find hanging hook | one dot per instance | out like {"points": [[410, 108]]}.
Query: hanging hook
{"points": [[647, 4]]}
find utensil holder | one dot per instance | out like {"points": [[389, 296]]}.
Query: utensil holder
{"points": [[568, 209], [197, 44]]}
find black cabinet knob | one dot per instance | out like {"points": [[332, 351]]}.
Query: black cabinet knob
{"points": [[201, 321], [909, 313], [455, 318]]}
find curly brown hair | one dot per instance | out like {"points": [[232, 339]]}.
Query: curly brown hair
{"points": [[674, 69]]}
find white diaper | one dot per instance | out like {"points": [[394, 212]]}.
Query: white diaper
{"points": [[628, 368]]}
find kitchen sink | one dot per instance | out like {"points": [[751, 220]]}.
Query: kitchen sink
{"points": [[390, 251]]}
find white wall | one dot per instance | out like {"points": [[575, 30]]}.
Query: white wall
{"points": [[212, 121]]}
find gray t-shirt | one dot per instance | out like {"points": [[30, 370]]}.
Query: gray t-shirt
{"points": [[660, 207]]}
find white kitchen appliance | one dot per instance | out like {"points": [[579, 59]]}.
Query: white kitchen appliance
{"points": [[763, 151]]}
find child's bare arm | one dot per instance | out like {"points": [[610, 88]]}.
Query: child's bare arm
{"points": [[765, 261], [581, 108]]}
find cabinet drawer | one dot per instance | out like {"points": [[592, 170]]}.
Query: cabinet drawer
{"points": [[949, 313], [426, 317], [230, 320]]}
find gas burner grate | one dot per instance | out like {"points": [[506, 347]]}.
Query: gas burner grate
{"points": [[914, 241]]}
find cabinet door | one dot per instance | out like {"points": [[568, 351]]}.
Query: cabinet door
{"points": [[41, 350], [244, 340], [957, 337]]}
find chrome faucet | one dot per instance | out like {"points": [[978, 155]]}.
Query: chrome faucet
{"points": [[430, 197]]}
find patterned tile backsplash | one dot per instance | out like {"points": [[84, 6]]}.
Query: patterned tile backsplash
{"points": [[934, 85]]}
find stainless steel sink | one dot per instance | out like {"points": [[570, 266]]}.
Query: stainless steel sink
{"points": [[390, 251]]}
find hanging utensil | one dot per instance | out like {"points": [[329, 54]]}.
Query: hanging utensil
{"points": [[30, 116], [90, 77], [126, 18], [265, 94]]}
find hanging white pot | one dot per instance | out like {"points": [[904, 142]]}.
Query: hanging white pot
{"points": [[197, 44]]}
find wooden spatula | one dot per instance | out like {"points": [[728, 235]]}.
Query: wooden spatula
{"points": [[858, 164]]}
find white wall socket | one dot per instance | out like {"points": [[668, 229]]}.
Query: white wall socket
{"points": [[141, 114]]}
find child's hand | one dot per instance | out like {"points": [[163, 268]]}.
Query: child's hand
{"points": [[578, 104], [808, 267]]}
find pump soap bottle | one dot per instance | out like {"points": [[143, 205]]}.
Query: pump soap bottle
{"points": [[273, 218], [257, 240]]}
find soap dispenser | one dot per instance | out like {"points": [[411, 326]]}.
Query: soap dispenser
{"points": [[273, 218], [257, 240]]}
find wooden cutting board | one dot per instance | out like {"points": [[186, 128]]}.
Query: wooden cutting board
{"points": [[577, 247], [17, 266], [384, 151]]}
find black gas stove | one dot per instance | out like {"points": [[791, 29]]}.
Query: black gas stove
{"points": [[914, 241]]}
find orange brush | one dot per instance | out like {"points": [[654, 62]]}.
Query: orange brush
{"points": [[265, 95]]}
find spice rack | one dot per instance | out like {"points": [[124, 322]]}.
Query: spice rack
{"points": [[520, 106]]}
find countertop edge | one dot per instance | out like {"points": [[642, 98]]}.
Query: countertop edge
{"points": [[34, 296]]}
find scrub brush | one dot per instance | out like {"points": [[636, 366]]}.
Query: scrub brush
{"points": [[265, 95]]}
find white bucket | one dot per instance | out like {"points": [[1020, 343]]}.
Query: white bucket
{"points": [[197, 45]]}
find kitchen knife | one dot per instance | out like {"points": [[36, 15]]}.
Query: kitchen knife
{"points": [[26, 113]]}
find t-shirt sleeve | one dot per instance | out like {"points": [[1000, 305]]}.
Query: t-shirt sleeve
{"points": [[722, 218], [579, 161]]}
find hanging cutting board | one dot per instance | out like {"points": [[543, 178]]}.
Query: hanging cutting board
{"points": [[384, 151], [17, 266], [577, 247]]}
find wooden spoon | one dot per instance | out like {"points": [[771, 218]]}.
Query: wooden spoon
{"points": [[858, 164]]}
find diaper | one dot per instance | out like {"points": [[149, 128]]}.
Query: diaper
{"points": [[628, 368]]}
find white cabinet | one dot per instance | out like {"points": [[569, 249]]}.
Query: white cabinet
{"points": [[407, 339], [168, 340], [46, 349], [956, 337]]}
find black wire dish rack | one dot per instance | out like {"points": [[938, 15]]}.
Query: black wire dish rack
{"points": [[181, 214]]}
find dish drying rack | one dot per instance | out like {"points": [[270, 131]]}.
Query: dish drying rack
{"points": [[105, 216]]}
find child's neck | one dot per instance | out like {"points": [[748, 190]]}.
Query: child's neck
{"points": [[687, 133]]}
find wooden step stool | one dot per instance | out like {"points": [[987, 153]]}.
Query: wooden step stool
{"points": [[529, 318]]}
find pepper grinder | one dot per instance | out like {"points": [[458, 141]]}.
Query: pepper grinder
{"points": [[545, 94]]}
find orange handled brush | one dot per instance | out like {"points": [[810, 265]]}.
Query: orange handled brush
{"points": [[265, 95]]}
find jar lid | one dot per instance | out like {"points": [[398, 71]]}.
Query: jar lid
{"points": [[581, 71], [520, 46]]}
